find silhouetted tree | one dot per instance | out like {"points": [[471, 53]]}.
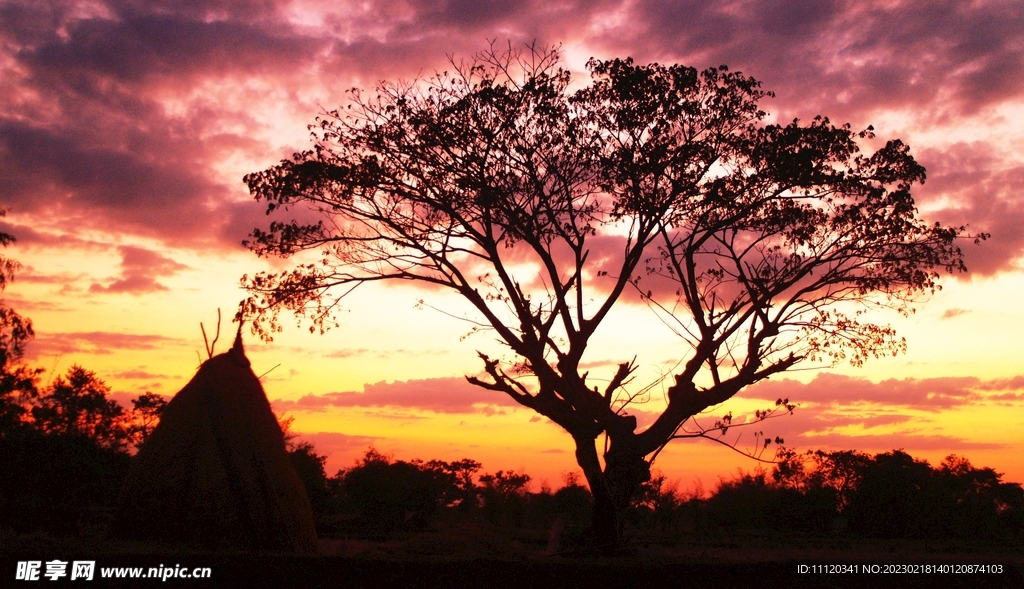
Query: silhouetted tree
{"points": [[78, 406], [574, 502], [887, 501], [840, 472], [18, 389], [390, 493], [456, 482], [18, 382], [145, 415], [58, 483], [752, 501], [541, 206], [504, 496], [61, 470], [15, 330], [309, 465], [893, 495], [656, 504]]}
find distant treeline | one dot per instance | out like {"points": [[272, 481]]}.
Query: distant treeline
{"points": [[889, 495], [65, 449]]}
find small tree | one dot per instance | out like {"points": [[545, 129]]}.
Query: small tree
{"points": [[542, 206], [390, 493], [503, 495], [145, 414], [309, 465], [459, 489], [78, 406]]}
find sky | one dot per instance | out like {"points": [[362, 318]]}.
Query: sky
{"points": [[126, 127]]}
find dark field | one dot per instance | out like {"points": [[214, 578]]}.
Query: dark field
{"points": [[453, 554]]}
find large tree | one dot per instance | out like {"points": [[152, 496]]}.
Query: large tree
{"points": [[543, 206]]}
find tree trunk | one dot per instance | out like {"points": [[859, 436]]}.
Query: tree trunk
{"points": [[612, 488], [604, 528]]}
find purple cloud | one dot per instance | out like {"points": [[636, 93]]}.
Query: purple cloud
{"points": [[114, 114], [842, 58]]}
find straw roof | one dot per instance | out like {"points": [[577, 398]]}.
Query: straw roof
{"points": [[215, 473]]}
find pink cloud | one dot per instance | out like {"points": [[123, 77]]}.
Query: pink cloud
{"points": [[21, 303], [87, 141], [929, 394], [842, 58], [812, 429], [836, 412], [982, 192], [348, 353], [27, 236], [886, 442], [95, 342], [1008, 397], [124, 399], [141, 375], [84, 141], [831, 401], [1015, 383], [441, 395], [381, 353], [139, 271]]}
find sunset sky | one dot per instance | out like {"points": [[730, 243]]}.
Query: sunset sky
{"points": [[126, 127]]}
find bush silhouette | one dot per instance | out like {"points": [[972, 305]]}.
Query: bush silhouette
{"points": [[61, 484], [504, 496], [388, 495], [310, 467], [575, 503]]}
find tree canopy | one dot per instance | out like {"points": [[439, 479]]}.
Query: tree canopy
{"points": [[763, 245]]}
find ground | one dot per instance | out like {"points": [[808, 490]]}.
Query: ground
{"points": [[451, 554]]}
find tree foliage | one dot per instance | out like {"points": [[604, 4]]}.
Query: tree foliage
{"points": [[762, 245], [894, 495], [18, 382], [145, 415], [78, 405]]}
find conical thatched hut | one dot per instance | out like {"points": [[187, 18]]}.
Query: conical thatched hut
{"points": [[215, 472]]}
